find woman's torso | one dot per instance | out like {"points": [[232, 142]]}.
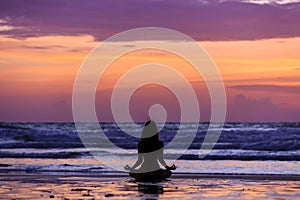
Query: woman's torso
{"points": [[150, 150]]}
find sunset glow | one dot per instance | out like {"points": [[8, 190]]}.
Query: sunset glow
{"points": [[260, 70]]}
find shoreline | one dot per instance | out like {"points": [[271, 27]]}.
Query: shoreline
{"points": [[275, 177]]}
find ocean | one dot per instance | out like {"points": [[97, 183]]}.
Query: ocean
{"points": [[243, 148]]}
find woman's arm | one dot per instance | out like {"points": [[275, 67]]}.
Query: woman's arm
{"points": [[138, 162], [161, 158], [162, 161]]}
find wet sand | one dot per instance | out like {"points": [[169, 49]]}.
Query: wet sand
{"points": [[121, 186]]}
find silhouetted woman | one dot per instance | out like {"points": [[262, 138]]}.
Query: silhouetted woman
{"points": [[150, 150]]}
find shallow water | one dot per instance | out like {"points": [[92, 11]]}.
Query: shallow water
{"points": [[91, 165], [89, 187]]}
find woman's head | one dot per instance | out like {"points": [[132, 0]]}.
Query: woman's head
{"points": [[150, 131]]}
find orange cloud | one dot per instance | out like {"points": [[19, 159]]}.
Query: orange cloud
{"points": [[47, 66]]}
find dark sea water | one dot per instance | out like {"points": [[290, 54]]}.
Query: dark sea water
{"points": [[242, 148]]}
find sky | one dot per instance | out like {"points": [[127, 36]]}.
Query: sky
{"points": [[255, 44]]}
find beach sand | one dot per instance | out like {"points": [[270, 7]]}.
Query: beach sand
{"points": [[121, 186]]}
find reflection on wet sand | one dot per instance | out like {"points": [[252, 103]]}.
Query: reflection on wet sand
{"points": [[150, 188], [97, 187]]}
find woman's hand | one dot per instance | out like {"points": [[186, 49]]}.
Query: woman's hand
{"points": [[127, 167], [173, 167]]}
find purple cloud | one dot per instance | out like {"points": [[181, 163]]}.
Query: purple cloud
{"points": [[36, 108], [272, 88], [202, 20], [245, 109]]}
